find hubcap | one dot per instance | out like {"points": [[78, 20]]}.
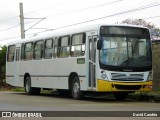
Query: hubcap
{"points": [[27, 85], [76, 89]]}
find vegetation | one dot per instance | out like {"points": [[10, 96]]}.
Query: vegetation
{"points": [[155, 31], [2, 66], [146, 96], [3, 84]]}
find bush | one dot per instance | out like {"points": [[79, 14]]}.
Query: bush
{"points": [[2, 66], [146, 96]]}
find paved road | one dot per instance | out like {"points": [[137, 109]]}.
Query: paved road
{"points": [[13, 101]]}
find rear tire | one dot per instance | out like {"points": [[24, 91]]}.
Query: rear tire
{"points": [[76, 92], [29, 89]]}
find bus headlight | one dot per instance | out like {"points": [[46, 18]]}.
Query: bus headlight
{"points": [[104, 75], [150, 76]]}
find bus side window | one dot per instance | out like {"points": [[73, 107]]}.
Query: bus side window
{"points": [[78, 45], [55, 53], [28, 51], [10, 55], [63, 47], [38, 49], [48, 48]]}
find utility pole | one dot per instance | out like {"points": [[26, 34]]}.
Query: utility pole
{"points": [[22, 21]]}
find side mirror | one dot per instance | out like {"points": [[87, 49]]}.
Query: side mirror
{"points": [[99, 44]]}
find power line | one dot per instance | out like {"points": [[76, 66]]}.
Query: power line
{"points": [[57, 5], [151, 17], [31, 21], [75, 11], [83, 9], [9, 28], [41, 19], [124, 12], [78, 10], [112, 15], [9, 19], [10, 38], [15, 26]]}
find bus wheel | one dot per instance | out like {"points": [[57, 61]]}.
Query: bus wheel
{"points": [[120, 95], [29, 89], [76, 92]]}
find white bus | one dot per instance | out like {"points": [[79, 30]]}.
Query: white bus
{"points": [[102, 58]]}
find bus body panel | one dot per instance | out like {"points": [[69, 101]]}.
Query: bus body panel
{"points": [[10, 74], [46, 73]]}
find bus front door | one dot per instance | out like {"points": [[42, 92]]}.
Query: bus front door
{"points": [[92, 62]]}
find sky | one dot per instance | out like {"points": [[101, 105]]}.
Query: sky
{"points": [[57, 14]]}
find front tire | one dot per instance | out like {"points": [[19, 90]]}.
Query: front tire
{"points": [[29, 89], [76, 92]]}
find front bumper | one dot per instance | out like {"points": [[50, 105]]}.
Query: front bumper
{"points": [[107, 86]]}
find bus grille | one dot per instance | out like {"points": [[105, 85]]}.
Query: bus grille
{"points": [[128, 87], [127, 77]]}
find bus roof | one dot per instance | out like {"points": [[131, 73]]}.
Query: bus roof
{"points": [[66, 31]]}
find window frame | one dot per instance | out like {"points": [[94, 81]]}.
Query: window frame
{"points": [[83, 43], [41, 50], [50, 48], [13, 54], [24, 51], [60, 48]]}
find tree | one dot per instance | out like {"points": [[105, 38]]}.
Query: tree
{"points": [[155, 31], [2, 64]]}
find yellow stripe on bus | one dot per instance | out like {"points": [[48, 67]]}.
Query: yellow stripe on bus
{"points": [[106, 86]]}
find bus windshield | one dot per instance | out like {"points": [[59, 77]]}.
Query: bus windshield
{"points": [[124, 52]]}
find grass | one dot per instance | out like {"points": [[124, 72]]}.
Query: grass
{"points": [[146, 96], [18, 89]]}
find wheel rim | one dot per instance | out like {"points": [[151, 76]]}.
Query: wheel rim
{"points": [[27, 85], [76, 88]]}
